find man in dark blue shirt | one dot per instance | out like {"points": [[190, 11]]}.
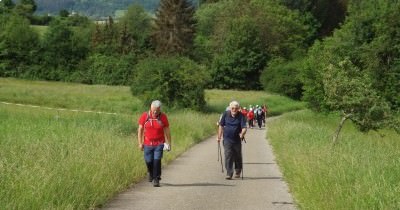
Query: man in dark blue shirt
{"points": [[232, 126]]}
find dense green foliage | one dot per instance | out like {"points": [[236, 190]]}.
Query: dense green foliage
{"points": [[176, 81], [138, 25], [105, 69], [294, 48], [239, 47], [174, 28], [282, 76], [326, 14], [356, 70], [19, 44], [63, 50]]}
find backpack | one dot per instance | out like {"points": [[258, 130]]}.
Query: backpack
{"points": [[151, 120]]}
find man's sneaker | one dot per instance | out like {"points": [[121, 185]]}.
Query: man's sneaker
{"points": [[149, 177], [237, 175], [228, 177], [156, 182]]}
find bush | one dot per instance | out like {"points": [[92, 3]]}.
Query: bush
{"points": [[177, 81], [104, 69], [281, 77]]}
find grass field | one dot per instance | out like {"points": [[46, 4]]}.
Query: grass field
{"points": [[52, 159], [360, 172], [40, 29]]}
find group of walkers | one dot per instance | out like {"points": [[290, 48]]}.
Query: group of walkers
{"points": [[255, 114], [154, 136]]}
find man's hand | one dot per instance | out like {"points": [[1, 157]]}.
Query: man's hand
{"points": [[218, 139], [141, 147]]}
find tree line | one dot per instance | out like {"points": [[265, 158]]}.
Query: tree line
{"points": [[337, 55], [94, 8]]}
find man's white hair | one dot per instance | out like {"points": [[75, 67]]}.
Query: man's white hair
{"points": [[156, 104], [234, 104]]}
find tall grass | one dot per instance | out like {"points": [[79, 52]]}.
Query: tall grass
{"points": [[361, 172], [63, 160], [69, 95]]}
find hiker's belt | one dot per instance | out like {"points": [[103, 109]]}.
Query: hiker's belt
{"points": [[155, 141]]}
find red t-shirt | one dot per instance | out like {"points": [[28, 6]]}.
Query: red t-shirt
{"points": [[153, 128], [250, 115]]}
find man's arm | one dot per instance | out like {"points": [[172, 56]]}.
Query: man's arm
{"points": [[220, 133], [140, 137], [244, 130], [167, 133]]}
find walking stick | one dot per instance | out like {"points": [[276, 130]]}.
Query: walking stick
{"points": [[220, 157], [243, 139]]}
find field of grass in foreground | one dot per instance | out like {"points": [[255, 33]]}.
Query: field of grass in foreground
{"points": [[53, 159], [67, 160], [360, 172]]}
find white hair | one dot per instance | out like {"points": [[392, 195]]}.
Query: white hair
{"points": [[234, 104], [156, 104]]}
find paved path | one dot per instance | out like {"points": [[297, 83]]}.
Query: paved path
{"points": [[194, 181]]}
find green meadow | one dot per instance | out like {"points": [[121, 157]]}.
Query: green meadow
{"points": [[52, 159], [41, 30], [360, 172]]}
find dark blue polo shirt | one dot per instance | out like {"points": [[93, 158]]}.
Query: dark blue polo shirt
{"points": [[232, 126]]}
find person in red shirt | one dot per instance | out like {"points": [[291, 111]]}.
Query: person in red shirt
{"points": [[153, 137], [250, 118], [244, 113]]}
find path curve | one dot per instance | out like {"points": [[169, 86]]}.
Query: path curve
{"points": [[195, 181]]}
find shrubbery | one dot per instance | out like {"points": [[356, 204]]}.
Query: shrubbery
{"points": [[281, 76], [104, 69], [176, 81]]}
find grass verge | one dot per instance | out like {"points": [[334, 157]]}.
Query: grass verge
{"points": [[361, 172]]}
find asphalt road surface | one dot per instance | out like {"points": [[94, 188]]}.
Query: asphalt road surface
{"points": [[194, 181]]}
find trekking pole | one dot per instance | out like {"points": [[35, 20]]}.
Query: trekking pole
{"points": [[220, 157], [243, 139]]}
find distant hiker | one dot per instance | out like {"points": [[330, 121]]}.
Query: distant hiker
{"points": [[244, 113], [153, 137], [265, 111], [259, 116], [232, 127], [250, 118]]}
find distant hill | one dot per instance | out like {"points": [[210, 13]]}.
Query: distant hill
{"points": [[94, 8]]}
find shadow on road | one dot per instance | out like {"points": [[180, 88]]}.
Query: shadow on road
{"points": [[260, 163], [197, 185], [255, 178]]}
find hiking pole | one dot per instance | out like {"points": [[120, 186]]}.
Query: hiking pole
{"points": [[243, 139], [220, 157]]}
